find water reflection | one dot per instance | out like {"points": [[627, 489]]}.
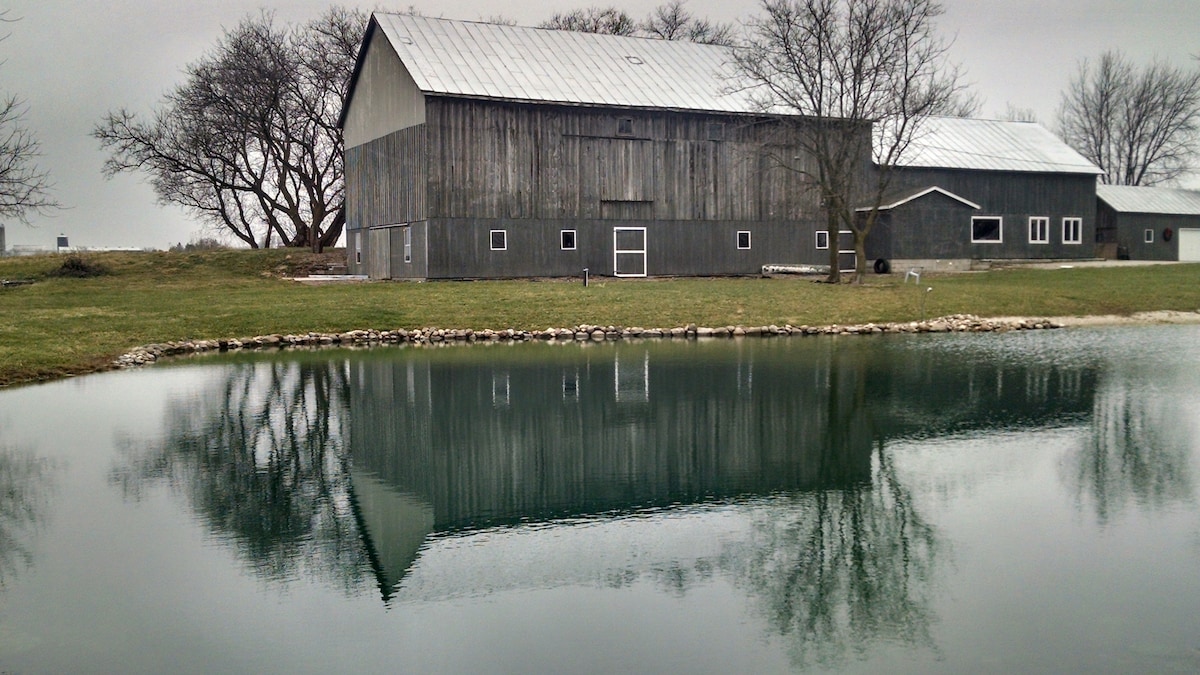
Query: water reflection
{"points": [[438, 473], [259, 457], [837, 571], [27, 482], [1140, 449]]}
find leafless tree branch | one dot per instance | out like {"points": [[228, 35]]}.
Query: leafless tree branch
{"points": [[249, 142], [1141, 126], [856, 79]]}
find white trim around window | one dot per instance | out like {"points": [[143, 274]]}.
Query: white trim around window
{"points": [[822, 241], [499, 240], [987, 230], [1039, 230], [1148, 237], [567, 240], [743, 240], [1072, 230]]}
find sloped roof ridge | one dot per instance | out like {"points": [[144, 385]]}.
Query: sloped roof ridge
{"points": [[1145, 199], [993, 145], [498, 61]]}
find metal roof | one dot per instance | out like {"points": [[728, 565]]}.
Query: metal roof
{"points": [[491, 61], [992, 145], [1138, 199]]}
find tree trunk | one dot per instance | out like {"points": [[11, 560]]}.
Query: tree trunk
{"points": [[835, 273]]}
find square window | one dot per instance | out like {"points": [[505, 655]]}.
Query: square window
{"points": [[499, 240], [567, 239], [743, 239], [987, 230], [625, 126], [1039, 230], [1072, 230], [822, 239], [716, 131], [1149, 237]]}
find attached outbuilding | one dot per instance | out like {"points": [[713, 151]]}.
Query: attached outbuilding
{"points": [[1150, 223], [976, 190], [476, 150]]}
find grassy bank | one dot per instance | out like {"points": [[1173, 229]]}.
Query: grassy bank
{"points": [[61, 325]]}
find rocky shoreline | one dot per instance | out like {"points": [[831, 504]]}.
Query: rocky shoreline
{"points": [[958, 323]]}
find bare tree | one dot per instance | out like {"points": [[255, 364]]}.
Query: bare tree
{"points": [[249, 142], [1014, 114], [672, 21], [607, 20], [24, 186], [857, 79], [669, 21], [1139, 125]]}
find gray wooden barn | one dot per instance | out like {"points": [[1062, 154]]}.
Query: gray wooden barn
{"points": [[476, 150], [1150, 223], [972, 190]]}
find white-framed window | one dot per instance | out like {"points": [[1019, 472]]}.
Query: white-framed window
{"points": [[408, 244], [987, 230], [1149, 236], [743, 239], [822, 239], [566, 239], [499, 240], [1039, 230], [1072, 230], [358, 237]]}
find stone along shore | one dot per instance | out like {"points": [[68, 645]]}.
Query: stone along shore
{"points": [[958, 323]]}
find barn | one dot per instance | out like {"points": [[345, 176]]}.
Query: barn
{"points": [[476, 150], [1150, 223], [974, 190]]}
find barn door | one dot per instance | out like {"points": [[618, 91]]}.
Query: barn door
{"points": [[379, 253], [629, 251], [846, 258]]}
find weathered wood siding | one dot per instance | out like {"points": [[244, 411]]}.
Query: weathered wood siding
{"points": [[944, 231], [494, 160], [386, 186]]}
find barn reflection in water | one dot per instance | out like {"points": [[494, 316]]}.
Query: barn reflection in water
{"points": [[451, 441]]}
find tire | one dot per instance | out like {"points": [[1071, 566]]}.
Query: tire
{"points": [[883, 266]]}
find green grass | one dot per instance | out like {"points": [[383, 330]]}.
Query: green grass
{"points": [[60, 326]]}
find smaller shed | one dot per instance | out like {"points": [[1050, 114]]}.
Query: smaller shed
{"points": [[1149, 223], [973, 190]]}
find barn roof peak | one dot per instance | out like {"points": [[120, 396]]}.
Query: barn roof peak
{"points": [[539, 65]]}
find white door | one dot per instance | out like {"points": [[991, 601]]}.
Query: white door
{"points": [[1189, 245], [629, 251]]}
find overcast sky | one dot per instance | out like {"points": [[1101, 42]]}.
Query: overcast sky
{"points": [[73, 61]]}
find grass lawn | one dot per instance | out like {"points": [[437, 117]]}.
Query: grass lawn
{"points": [[59, 326]]}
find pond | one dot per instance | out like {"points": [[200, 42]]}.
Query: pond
{"points": [[937, 503]]}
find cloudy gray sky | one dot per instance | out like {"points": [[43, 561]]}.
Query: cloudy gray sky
{"points": [[72, 61]]}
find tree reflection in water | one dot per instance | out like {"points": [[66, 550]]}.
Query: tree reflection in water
{"points": [[259, 458], [26, 484], [341, 466], [1138, 452], [837, 571]]}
